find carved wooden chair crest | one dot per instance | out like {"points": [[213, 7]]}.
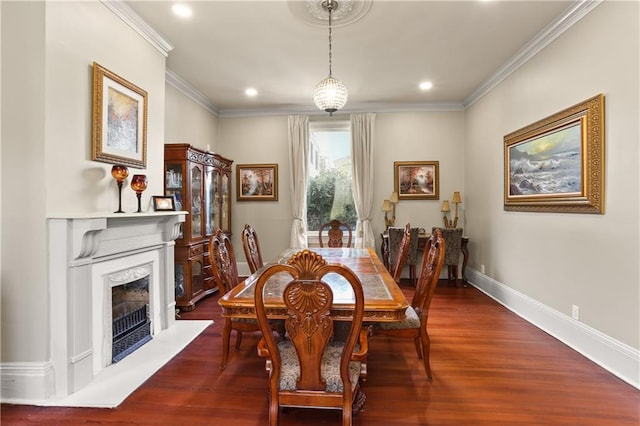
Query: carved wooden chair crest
{"points": [[335, 233], [309, 368], [251, 248]]}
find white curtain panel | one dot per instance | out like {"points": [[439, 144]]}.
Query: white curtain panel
{"points": [[362, 129], [299, 160]]}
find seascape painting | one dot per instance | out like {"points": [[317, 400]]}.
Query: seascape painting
{"points": [[557, 164], [548, 164]]}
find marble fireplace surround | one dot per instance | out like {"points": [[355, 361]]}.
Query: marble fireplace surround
{"points": [[83, 250]]}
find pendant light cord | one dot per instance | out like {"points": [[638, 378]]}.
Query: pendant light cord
{"points": [[330, 8]]}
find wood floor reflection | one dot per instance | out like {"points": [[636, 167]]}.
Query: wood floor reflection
{"points": [[489, 368]]}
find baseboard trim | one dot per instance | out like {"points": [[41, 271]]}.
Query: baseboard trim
{"points": [[26, 380], [618, 358]]}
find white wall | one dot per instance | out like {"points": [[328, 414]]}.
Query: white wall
{"points": [[562, 259], [418, 136], [47, 53], [24, 274], [253, 141], [188, 122]]}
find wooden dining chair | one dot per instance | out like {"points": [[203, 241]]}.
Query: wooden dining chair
{"points": [[414, 326], [309, 368], [399, 243], [335, 233], [225, 271], [251, 248]]}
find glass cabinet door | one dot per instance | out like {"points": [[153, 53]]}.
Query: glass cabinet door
{"points": [[209, 192], [173, 183], [173, 186], [216, 200], [224, 189], [196, 201]]}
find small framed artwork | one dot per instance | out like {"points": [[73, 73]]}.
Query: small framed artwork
{"points": [[417, 180], [257, 182], [557, 164], [119, 120], [161, 203]]}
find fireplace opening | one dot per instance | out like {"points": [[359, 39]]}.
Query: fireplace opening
{"points": [[131, 324]]}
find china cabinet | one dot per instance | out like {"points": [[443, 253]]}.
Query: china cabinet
{"points": [[200, 182]]}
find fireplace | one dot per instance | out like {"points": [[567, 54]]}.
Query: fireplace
{"points": [[130, 320], [112, 290]]}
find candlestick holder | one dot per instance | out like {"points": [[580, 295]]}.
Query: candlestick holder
{"points": [[119, 173], [139, 184]]}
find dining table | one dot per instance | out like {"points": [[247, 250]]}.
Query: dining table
{"points": [[384, 301]]}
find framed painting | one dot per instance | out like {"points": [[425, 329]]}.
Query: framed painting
{"points": [[417, 180], [119, 120], [257, 182], [161, 203], [557, 164]]}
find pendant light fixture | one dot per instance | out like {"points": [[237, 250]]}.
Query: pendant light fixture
{"points": [[330, 94]]}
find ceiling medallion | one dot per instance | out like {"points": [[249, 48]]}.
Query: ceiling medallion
{"points": [[313, 12]]}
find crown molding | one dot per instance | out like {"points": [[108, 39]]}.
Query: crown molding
{"points": [[349, 109], [191, 92], [124, 12], [574, 13]]}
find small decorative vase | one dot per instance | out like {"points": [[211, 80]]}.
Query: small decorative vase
{"points": [[119, 173], [139, 184]]}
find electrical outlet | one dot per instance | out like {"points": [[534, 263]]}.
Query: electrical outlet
{"points": [[482, 269], [575, 312]]}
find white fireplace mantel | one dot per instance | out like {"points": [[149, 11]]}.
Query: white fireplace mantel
{"points": [[81, 248]]}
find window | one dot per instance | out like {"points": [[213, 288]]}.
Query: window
{"points": [[329, 194]]}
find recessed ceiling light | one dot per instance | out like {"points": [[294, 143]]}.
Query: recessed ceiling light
{"points": [[426, 85], [181, 10], [251, 92]]}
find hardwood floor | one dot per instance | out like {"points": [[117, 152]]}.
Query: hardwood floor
{"points": [[489, 368]]}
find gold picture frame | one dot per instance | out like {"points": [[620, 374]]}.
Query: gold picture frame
{"points": [[417, 180], [119, 120], [257, 182], [557, 164]]}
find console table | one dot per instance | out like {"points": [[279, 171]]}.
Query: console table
{"points": [[422, 242]]}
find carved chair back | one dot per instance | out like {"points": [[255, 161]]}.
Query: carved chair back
{"points": [[251, 248], [223, 261], [335, 233], [432, 261], [401, 237]]}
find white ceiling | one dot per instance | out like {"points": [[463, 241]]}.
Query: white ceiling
{"points": [[461, 46]]}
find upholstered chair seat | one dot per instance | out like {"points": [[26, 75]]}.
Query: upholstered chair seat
{"points": [[412, 320], [330, 368]]}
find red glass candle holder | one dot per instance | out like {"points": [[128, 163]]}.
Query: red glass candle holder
{"points": [[139, 184], [119, 173]]}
